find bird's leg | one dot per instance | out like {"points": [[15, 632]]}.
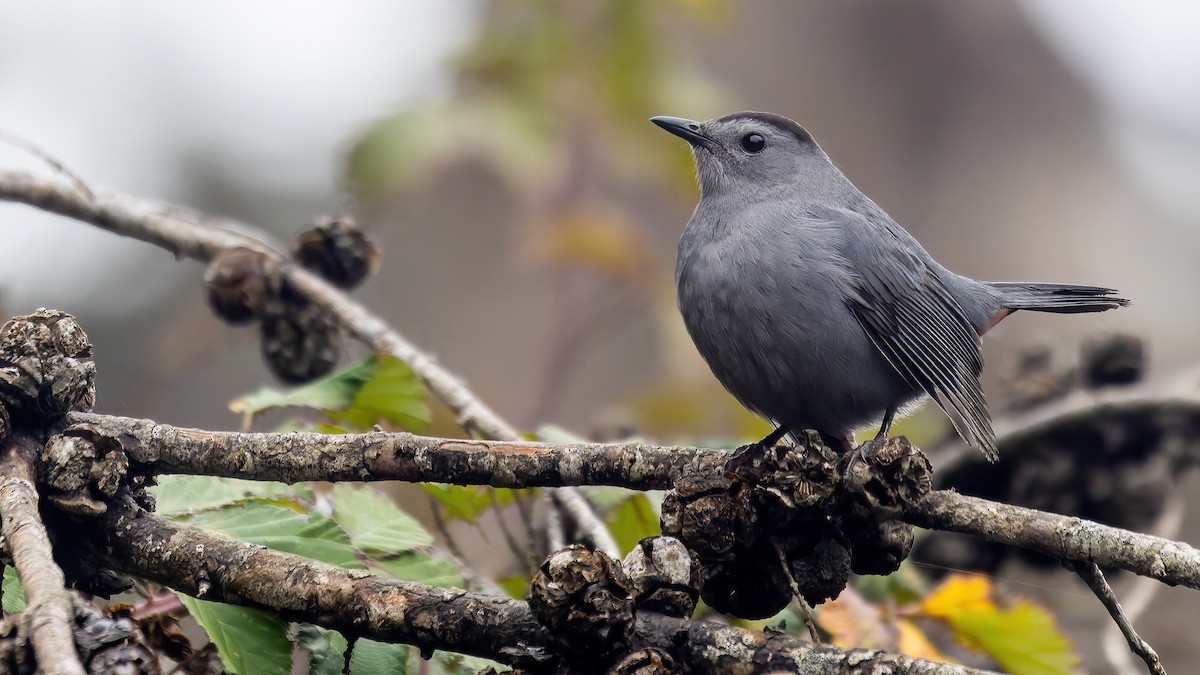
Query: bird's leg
{"points": [[747, 453], [869, 448]]}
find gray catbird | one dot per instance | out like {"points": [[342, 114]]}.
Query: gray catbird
{"points": [[818, 311]]}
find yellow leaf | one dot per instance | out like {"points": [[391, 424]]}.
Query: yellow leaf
{"points": [[914, 643], [1022, 638], [959, 593]]}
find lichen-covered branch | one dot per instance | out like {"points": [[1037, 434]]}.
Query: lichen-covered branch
{"points": [[187, 233], [49, 614], [296, 457], [1060, 537], [359, 603]]}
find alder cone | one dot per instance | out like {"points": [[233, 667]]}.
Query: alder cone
{"points": [[45, 369], [338, 250], [585, 600]]}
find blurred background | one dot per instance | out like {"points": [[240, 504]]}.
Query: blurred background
{"points": [[501, 153]]}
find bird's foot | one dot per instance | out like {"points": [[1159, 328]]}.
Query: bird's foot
{"points": [[744, 456], [863, 453], [747, 455]]}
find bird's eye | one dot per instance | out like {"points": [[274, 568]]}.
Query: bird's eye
{"points": [[753, 143]]}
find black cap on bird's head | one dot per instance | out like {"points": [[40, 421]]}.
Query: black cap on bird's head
{"points": [[754, 147]]}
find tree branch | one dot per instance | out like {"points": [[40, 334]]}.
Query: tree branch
{"points": [[1060, 537], [197, 236], [297, 457], [358, 603], [1094, 578], [50, 612], [377, 456]]}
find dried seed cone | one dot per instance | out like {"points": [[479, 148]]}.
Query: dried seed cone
{"points": [[338, 250], [45, 369], [584, 599]]}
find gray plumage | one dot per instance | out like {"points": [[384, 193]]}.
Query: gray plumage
{"points": [[813, 307]]}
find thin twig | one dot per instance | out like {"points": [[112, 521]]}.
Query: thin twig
{"points": [[804, 608], [187, 233], [50, 611], [556, 538], [1094, 578], [1141, 590], [50, 160], [587, 522], [524, 554]]}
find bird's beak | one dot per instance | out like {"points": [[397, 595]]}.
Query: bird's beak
{"points": [[688, 130]]}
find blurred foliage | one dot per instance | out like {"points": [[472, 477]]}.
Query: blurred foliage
{"points": [[544, 84], [1021, 637]]}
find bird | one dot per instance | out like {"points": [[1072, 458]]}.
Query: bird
{"points": [[815, 309]]}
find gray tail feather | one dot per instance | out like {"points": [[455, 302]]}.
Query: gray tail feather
{"points": [[1058, 298]]}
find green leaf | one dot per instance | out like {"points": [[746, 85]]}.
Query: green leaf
{"points": [[332, 392], [282, 525], [466, 502], [631, 521], [326, 648], [1022, 638], [375, 524], [250, 641], [448, 663], [377, 389], [422, 568], [517, 586], [370, 656], [181, 494], [13, 591], [392, 394]]}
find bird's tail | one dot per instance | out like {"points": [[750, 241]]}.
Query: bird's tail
{"points": [[1057, 298]]}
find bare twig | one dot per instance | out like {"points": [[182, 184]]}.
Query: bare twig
{"points": [[50, 612], [372, 606], [524, 554], [292, 457], [804, 609], [556, 538], [1094, 578], [1142, 590], [195, 236], [50, 160]]}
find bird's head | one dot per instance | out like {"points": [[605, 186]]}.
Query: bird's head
{"points": [[748, 152]]}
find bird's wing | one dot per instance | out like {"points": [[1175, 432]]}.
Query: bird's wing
{"points": [[909, 314]]}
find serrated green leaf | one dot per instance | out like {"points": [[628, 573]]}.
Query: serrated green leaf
{"points": [[377, 389], [332, 392], [447, 663], [250, 641], [282, 525], [326, 648], [391, 394], [13, 591], [370, 657], [375, 524], [421, 568], [631, 521], [181, 494], [466, 502]]}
